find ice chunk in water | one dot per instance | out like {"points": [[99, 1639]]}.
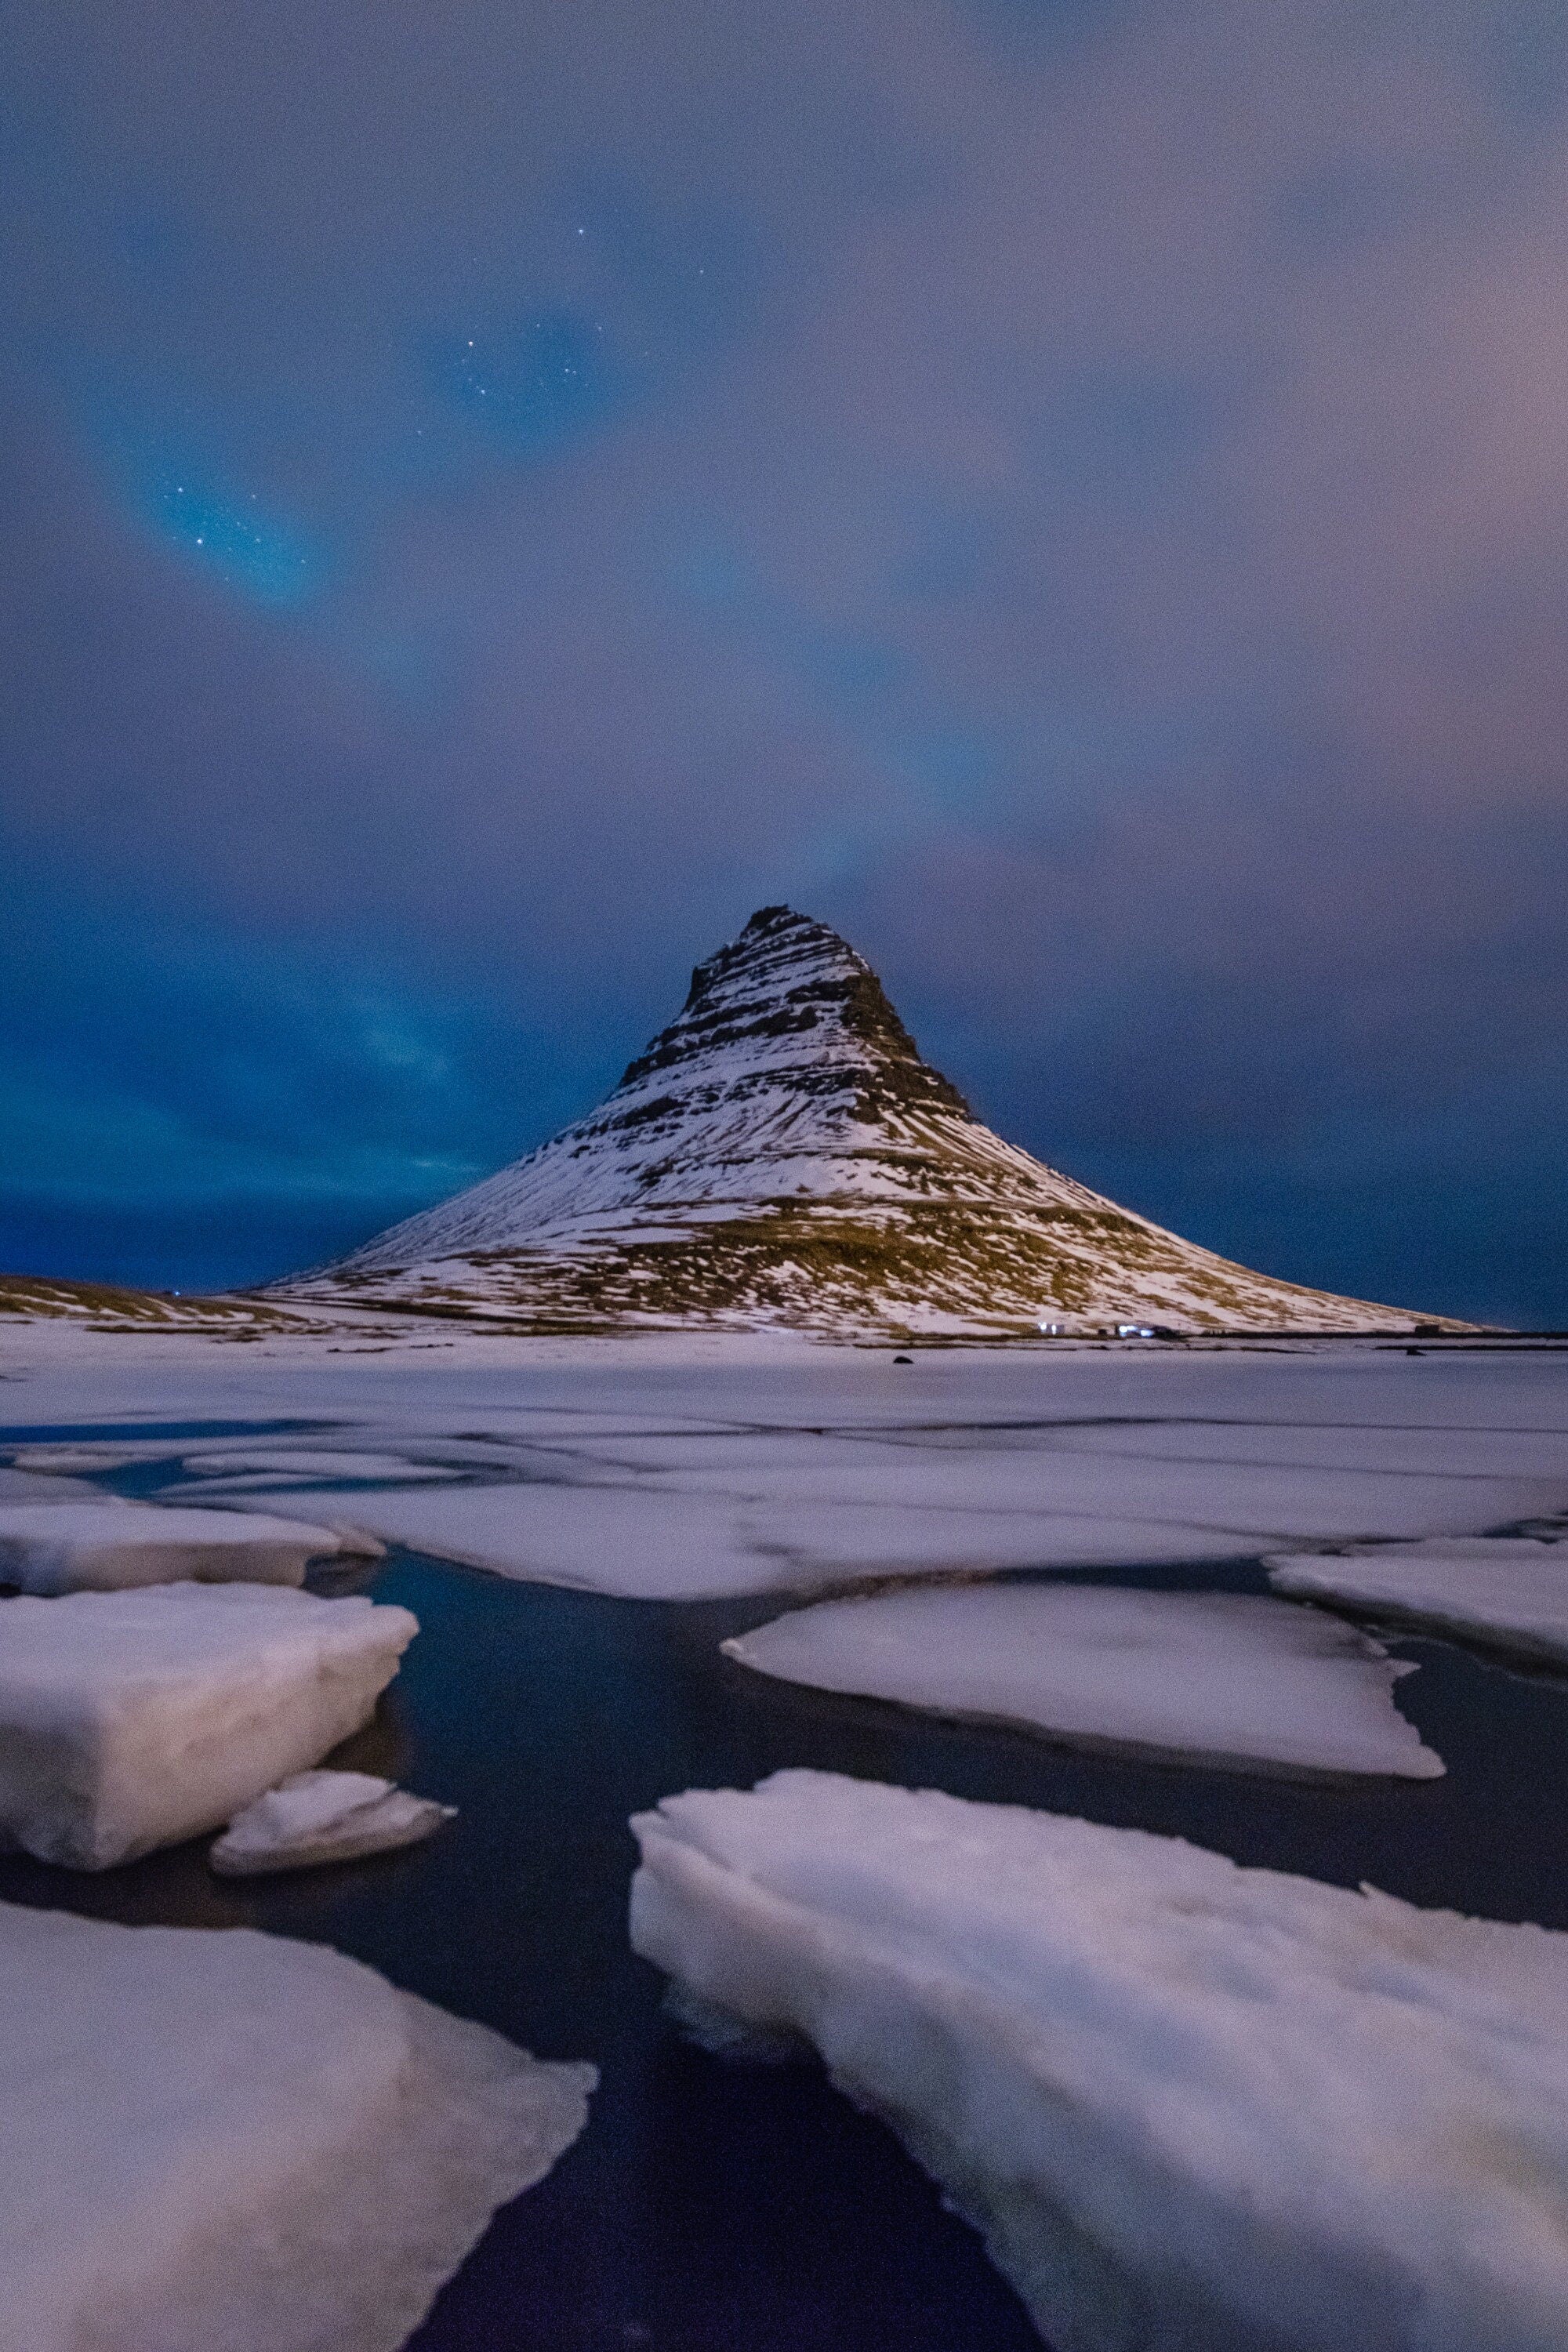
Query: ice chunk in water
{"points": [[317, 1817], [223, 2142], [1506, 1592], [129, 1720], [31, 1487], [1216, 1676], [303, 1464], [104, 1546], [1190, 2104]]}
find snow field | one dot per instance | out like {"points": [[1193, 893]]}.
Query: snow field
{"points": [[320, 1817], [1214, 1677], [131, 1720], [247, 2145], [1193, 2108], [1508, 1593], [104, 1546]]}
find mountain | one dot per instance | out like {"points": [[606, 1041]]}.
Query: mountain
{"points": [[781, 1154]]}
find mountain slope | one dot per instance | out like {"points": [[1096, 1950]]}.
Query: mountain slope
{"points": [[781, 1154], [115, 1307]]}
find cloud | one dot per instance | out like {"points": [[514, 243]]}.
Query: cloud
{"points": [[150, 1063], [1090, 470]]}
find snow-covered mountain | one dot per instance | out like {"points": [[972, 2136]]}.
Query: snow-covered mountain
{"points": [[781, 1154]]}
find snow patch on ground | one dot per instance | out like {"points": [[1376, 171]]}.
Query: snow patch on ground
{"points": [[247, 2145], [130, 1720], [1189, 2105], [1508, 1593], [1219, 1677]]}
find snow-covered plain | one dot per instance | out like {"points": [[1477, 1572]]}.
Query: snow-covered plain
{"points": [[130, 1720], [319, 1817], [223, 2142], [1213, 1676], [107, 1545], [1191, 2105], [1506, 1593], [698, 1467]]}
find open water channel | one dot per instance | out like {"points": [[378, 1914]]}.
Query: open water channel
{"points": [[709, 2206]]}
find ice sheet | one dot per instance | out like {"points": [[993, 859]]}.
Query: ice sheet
{"points": [[1507, 1593], [246, 2145], [827, 1510], [320, 1817], [1191, 2105], [1219, 1677], [129, 1720], [104, 1546], [647, 1542], [684, 1468], [656, 1539]]}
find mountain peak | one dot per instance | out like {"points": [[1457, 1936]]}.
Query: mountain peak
{"points": [[791, 990], [780, 1153]]}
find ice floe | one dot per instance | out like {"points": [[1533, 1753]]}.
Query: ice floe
{"points": [[308, 1463], [225, 2142], [129, 1720], [1505, 1592], [71, 1461], [1190, 2104], [30, 1486], [103, 1546], [1214, 1676], [319, 1817]]}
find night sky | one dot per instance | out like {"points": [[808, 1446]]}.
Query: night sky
{"points": [[1072, 492]]}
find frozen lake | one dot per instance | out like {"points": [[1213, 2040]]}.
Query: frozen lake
{"points": [[709, 2206]]}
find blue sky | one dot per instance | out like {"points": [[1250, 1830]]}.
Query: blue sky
{"points": [[1072, 491]]}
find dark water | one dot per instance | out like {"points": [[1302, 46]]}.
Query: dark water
{"points": [[710, 2207]]}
